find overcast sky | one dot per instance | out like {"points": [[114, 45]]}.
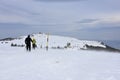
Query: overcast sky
{"points": [[83, 19]]}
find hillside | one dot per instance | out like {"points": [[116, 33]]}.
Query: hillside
{"points": [[58, 63], [60, 42]]}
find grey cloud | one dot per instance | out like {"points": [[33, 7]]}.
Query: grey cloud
{"points": [[88, 20], [15, 9], [13, 29], [59, 0], [100, 33], [18, 29]]}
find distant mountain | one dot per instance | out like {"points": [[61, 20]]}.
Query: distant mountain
{"points": [[112, 43], [7, 39], [61, 42], [108, 48]]}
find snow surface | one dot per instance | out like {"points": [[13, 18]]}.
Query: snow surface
{"points": [[57, 64], [55, 41]]}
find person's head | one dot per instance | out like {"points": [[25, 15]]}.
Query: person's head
{"points": [[28, 36]]}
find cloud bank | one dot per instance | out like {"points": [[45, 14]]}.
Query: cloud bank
{"points": [[85, 20], [59, 0]]}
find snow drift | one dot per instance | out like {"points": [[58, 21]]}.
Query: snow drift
{"points": [[72, 63], [60, 42]]}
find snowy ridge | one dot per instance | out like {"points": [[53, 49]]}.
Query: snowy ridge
{"points": [[58, 41], [57, 64]]}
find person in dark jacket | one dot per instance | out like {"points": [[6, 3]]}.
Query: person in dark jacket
{"points": [[28, 41]]}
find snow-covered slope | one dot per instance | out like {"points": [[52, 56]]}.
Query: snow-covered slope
{"points": [[57, 64], [58, 41]]}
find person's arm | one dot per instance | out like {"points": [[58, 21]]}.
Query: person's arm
{"points": [[31, 40], [25, 41]]}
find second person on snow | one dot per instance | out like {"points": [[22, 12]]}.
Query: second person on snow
{"points": [[34, 43]]}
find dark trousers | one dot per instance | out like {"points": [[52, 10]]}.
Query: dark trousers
{"points": [[34, 46], [28, 47]]}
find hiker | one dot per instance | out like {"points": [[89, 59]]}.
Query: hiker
{"points": [[28, 41], [34, 43]]}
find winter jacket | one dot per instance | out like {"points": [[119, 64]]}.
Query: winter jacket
{"points": [[33, 41], [28, 41]]}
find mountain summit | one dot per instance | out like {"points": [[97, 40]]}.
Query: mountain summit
{"points": [[60, 42], [66, 59]]}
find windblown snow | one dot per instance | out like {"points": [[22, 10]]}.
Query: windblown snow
{"points": [[55, 41], [71, 63]]}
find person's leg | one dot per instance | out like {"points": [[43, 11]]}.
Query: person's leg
{"points": [[34, 46], [27, 47]]}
